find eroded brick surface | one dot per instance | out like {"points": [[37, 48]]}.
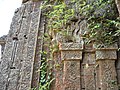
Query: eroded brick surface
{"points": [[71, 78], [16, 70], [76, 66]]}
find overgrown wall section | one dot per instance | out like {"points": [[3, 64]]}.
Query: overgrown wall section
{"points": [[80, 66]]}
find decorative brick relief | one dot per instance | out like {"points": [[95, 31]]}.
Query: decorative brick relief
{"points": [[88, 71], [13, 79], [27, 66], [75, 69], [89, 77], [37, 60], [106, 54], [58, 72], [71, 76], [7, 59], [71, 53], [70, 46], [17, 65], [107, 73]]}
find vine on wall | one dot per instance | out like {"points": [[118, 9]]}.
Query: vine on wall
{"points": [[45, 73], [102, 22], [101, 16]]}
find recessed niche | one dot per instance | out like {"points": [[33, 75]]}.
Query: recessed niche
{"points": [[25, 36], [15, 38], [12, 68]]}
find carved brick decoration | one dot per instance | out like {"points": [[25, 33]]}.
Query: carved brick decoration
{"points": [[20, 53], [75, 66], [71, 51], [37, 62], [71, 54], [89, 77], [88, 71], [107, 74], [71, 76], [58, 72]]}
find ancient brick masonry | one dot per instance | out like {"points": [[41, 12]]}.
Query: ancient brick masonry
{"points": [[82, 67], [71, 54], [82, 70], [16, 69], [105, 58]]}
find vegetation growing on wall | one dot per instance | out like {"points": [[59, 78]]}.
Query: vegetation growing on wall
{"points": [[102, 22], [58, 16], [45, 74], [101, 16]]}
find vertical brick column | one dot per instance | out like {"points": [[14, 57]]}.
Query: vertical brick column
{"points": [[88, 71], [58, 74], [71, 54], [105, 58]]}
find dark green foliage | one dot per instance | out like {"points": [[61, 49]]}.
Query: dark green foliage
{"points": [[101, 16], [103, 24], [45, 74]]}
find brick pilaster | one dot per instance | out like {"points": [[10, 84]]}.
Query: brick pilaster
{"points": [[71, 54], [105, 58]]}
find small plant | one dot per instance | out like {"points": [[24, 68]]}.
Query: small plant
{"points": [[58, 17], [45, 74], [113, 83]]}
